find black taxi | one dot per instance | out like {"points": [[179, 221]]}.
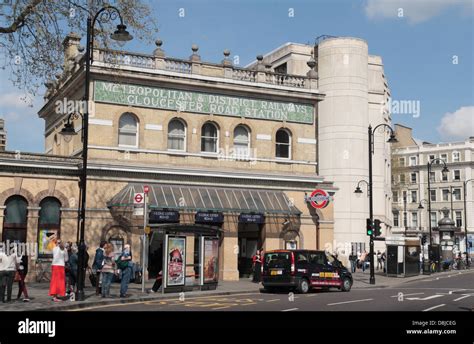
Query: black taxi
{"points": [[302, 270]]}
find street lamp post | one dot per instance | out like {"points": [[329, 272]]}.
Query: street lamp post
{"points": [[465, 219], [104, 15], [392, 139]]}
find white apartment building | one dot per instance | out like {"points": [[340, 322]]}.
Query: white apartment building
{"points": [[410, 160]]}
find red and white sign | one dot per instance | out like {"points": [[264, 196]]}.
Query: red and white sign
{"points": [[138, 198], [319, 199], [146, 189]]}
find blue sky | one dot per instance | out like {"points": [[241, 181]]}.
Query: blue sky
{"points": [[417, 49]]}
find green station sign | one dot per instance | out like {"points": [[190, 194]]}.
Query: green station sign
{"points": [[206, 103]]}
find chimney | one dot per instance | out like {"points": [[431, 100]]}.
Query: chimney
{"points": [[70, 46]]}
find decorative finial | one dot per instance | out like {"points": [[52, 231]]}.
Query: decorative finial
{"points": [[226, 61]]}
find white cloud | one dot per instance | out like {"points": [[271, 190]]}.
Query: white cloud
{"points": [[458, 124], [415, 11]]}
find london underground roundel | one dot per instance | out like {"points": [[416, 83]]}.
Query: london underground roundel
{"points": [[319, 199]]}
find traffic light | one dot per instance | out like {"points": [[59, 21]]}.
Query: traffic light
{"points": [[423, 239], [377, 228], [370, 227]]}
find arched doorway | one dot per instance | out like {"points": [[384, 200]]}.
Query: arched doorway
{"points": [[15, 220]]}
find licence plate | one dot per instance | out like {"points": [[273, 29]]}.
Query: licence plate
{"points": [[276, 272]]}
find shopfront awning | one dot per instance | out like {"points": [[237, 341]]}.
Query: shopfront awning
{"points": [[201, 198]]}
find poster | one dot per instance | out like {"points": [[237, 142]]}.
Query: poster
{"points": [[46, 242], [176, 255], [210, 260]]}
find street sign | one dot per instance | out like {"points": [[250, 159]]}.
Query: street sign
{"points": [[138, 198], [318, 199], [146, 189]]}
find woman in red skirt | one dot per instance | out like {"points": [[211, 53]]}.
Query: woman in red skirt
{"points": [[57, 287]]}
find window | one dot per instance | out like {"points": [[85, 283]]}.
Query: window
{"points": [[445, 194], [413, 196], [317, 258], [458, 219], [431, 157], [444, 157], [395, 196], [15, 219], [414, 220], [404, 196], [405, 219], [444, 177], [241, 141], [402, 179], [457, 175], [176, 135], [283, 144], [401, 161], [433, 219], [209, 138], [396, 219], [456, 156], [456, 194], [301, 258], [128, 130], [413, 161], [432, 177], [413, 178], [433, 195], [48, 225]]}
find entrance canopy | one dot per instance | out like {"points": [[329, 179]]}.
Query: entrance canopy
{"points": [[203, 198]]}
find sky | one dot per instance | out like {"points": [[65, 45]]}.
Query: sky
{"points": [[427, 48]]}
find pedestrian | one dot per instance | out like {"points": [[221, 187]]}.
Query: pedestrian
{"points": [[384, 261], [97, 264], [342, 257], [379, 259], [108, 269], [57, 288], [4, 262], [73, 264], [22, 272], [359, 254], [124, 263], [353, 262], [363, 258], [257, 266], [12, 266]]}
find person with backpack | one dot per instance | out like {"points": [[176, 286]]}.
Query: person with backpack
{"points": [[124, 264], [97, 265]]}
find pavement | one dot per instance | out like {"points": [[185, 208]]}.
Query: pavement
{"points": [[40, 301]]}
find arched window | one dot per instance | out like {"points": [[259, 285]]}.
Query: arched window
{"points": [[15, 219], [241, 141], [49, 225], [176, 135], [283, 144], [128, 130], [209, 138]]}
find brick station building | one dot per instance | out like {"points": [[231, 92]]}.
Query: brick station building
{"points": [[208, 138]]}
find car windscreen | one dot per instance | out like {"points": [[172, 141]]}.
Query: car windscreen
{"points": [[277, 260]]}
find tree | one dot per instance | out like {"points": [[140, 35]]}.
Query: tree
{"points": [[32, 32]]}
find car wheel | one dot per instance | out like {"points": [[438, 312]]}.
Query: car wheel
{"points": [[303, 286], [269, 290], [346, 284]]}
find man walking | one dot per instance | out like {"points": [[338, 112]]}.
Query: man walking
{"points": [[379, 260], [97, 265], [124, 263]]}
